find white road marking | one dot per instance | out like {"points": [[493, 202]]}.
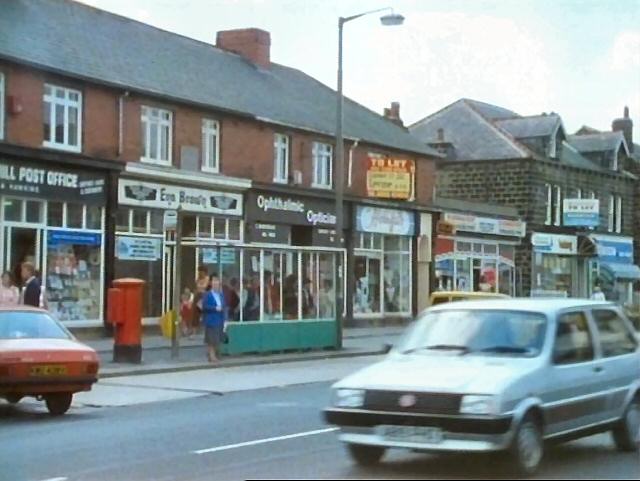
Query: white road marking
{"points": [[56, 479], [263, 441]]}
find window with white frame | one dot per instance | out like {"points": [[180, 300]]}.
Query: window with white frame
{"points": [[557, 205], [615, 213], [281, 158], [210, 145], [548, 192], [62, 118], [156, 135], [322, 165], [1, 106]]}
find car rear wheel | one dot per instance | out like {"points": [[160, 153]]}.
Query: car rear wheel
{"points": [[527, 448], [365, 455], [626, 434], [58, 403]]}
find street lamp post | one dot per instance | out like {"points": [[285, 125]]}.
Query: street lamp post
{"points": [[390, 19]]}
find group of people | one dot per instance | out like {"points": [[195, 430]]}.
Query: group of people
{"points": [[29, 295], [211, 306]]}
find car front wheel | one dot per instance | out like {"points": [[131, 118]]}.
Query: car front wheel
{"points": [[365, 455], [626, 434], [527, 448], [58, 403]]}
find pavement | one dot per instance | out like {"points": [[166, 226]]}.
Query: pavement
{"points": [[269, 433], [156, 356]]}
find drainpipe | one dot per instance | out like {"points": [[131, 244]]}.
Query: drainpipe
{"points": [[355, 144], [121, 122]]}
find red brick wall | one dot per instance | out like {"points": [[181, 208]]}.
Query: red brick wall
{"points": [[246, 148]]}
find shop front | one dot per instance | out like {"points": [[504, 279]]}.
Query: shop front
{"points": [[555, 266], [211, 220], [285, 273], [54, 214], [612, 268], [477, 254], [383, 262]]}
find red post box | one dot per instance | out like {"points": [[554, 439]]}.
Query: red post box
{"points": [[125, 311]]}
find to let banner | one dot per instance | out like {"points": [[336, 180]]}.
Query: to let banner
{"points": [[390, 178]]}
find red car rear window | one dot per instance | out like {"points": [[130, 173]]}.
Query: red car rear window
{"points": [[30, 325]]}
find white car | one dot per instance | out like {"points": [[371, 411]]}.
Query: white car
{"points": [[497, 375]]}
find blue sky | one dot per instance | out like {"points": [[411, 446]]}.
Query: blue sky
{"points": [[579, 58]]}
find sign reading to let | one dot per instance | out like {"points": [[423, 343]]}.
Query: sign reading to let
{"points": [[390, 178]]}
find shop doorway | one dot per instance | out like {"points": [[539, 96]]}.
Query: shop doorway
{"points": [[367, 292], [23, 246]]}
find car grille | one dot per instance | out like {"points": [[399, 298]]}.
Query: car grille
{"points": [[424, 403]]}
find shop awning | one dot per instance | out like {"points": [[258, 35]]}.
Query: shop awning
{"points": [[620, 271]]}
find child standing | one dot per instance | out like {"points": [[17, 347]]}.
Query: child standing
{"points": [[186, 312]]}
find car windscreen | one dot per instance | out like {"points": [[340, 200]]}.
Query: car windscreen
{"points": [[477, 332], [30, 325]]}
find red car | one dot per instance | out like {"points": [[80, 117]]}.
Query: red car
{"points": [[39, 357]]}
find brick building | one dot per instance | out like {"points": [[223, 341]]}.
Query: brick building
{"points": [[242, 145], [553, 179]]}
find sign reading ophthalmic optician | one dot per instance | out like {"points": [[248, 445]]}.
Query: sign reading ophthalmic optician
{"points": [[286, 209], [581, 212], [164, 196]]}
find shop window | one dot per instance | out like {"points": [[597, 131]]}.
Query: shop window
{"points": [[204, 226], [156, 222], [189, 225], [139, 221], [367, 290], [220, 228], [55, 214], [327, 281], [250, 298], [12, 210], [235, 229], [122, 220], [33, 211], [463, 246], [210, 145], [281, 158], [463, 275], [62, 118], [94, 217], [156, 135], [490, 249], [322, 165], [554, 274], [75, 214], [477, 248], [74, 286]]}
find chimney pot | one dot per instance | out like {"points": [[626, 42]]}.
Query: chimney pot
{"points": [[624, 125], [393, 113]]}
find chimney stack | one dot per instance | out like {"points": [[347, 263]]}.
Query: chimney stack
{"points": [[393, 113], [624, 125], [251, 43]]}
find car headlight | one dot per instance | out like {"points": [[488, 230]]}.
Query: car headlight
{"points": [[478, 405], [348, 398]]}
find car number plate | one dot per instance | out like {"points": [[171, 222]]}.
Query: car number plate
{"points": [[411, 434], [48, 370]]}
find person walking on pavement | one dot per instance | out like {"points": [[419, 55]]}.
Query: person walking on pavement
{"points": [[202, 282], [597, 294], [214, 311], [31, 291], [9, 293]]}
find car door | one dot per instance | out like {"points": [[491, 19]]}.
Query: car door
{"points": [[619, 350], [575, 396]]}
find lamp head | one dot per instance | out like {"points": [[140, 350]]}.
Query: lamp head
{"points": [[392, 19]]}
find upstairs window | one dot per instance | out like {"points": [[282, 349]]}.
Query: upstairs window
{"points": [[281, 158], [322, 165], [156, 135], [554, 204], [62, 118], [1, 106], [615, 213], [210, 145]]}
